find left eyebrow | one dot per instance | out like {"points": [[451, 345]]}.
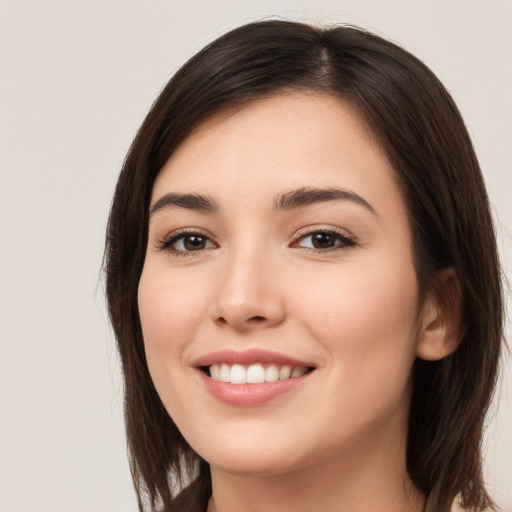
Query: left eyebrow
{"points": [[306, 196], [195, 202]]}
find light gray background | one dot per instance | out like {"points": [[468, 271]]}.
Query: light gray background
{"points": [[76, 79]]}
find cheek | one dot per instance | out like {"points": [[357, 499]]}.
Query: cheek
{"points": [[168, 313], [366, 319]]}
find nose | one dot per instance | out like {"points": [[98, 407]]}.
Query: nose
{"points": [[248, 295]]}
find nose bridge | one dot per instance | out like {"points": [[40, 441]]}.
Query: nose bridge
{"points": [[247, 295]]}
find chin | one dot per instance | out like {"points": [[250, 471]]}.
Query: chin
{"points": [[251, 457], [252, 464]]}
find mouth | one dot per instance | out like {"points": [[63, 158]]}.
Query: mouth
{"points": [[256, 373], [251, 377]]}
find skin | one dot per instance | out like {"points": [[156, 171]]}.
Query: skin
{"points": [[337, 441]]}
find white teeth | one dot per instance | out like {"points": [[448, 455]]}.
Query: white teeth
{"points": [[254, 373], [272, 373], [285, 372], [298, 372], [238, 374], [215, 371], [225, 372]]}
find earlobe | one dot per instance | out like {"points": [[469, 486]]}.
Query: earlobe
{"points": [[441, 322]]}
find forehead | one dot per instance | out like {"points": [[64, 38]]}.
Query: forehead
{"points": [[278, 143]]}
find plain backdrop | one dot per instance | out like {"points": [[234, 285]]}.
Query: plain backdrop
{"points": [[76, 79]]}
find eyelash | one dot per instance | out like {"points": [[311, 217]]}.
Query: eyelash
{"points": [[346, 242], [166, 244]]}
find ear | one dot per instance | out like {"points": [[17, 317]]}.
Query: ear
{"points": [[441, 321]]}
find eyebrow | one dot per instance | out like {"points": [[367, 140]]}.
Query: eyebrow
{"points": [[195, 202], [306, 196], [298, 198]]}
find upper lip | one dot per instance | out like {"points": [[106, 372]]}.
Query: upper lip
{"points": [[248, 357]]}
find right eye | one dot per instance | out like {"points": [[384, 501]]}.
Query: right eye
{"points": [[186, 242]]}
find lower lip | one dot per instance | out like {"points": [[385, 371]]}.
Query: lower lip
{"points": [[247, 395]]}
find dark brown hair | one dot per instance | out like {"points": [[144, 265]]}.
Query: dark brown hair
{"points": [[420, 129]]}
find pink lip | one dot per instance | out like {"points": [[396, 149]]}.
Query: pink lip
{"points": [[246, 395], [248, 357]]}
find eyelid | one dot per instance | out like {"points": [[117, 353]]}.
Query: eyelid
{"points": [[348, 239], [164, 243]]}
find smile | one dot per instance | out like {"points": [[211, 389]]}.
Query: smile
{"points": [[254, 373], [251, 377]]}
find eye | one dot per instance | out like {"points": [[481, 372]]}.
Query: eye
{"points": [[186, 242], [324, 240]]}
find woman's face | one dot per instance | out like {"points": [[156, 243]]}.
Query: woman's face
{"points": [[278, 243]]}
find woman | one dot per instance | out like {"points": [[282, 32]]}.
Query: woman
{"points": [[303, 281]]}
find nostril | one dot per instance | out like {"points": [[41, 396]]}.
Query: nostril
{"points": [[257, 318]]}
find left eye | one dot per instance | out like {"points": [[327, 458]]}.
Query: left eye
{"points": [[190, 242], [324, 240]]}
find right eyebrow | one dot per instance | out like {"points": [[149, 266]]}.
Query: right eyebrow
{"points": [[195, 202], [305, 196]]}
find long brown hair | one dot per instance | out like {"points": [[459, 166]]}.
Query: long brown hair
{"points": [[420, 129]]}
